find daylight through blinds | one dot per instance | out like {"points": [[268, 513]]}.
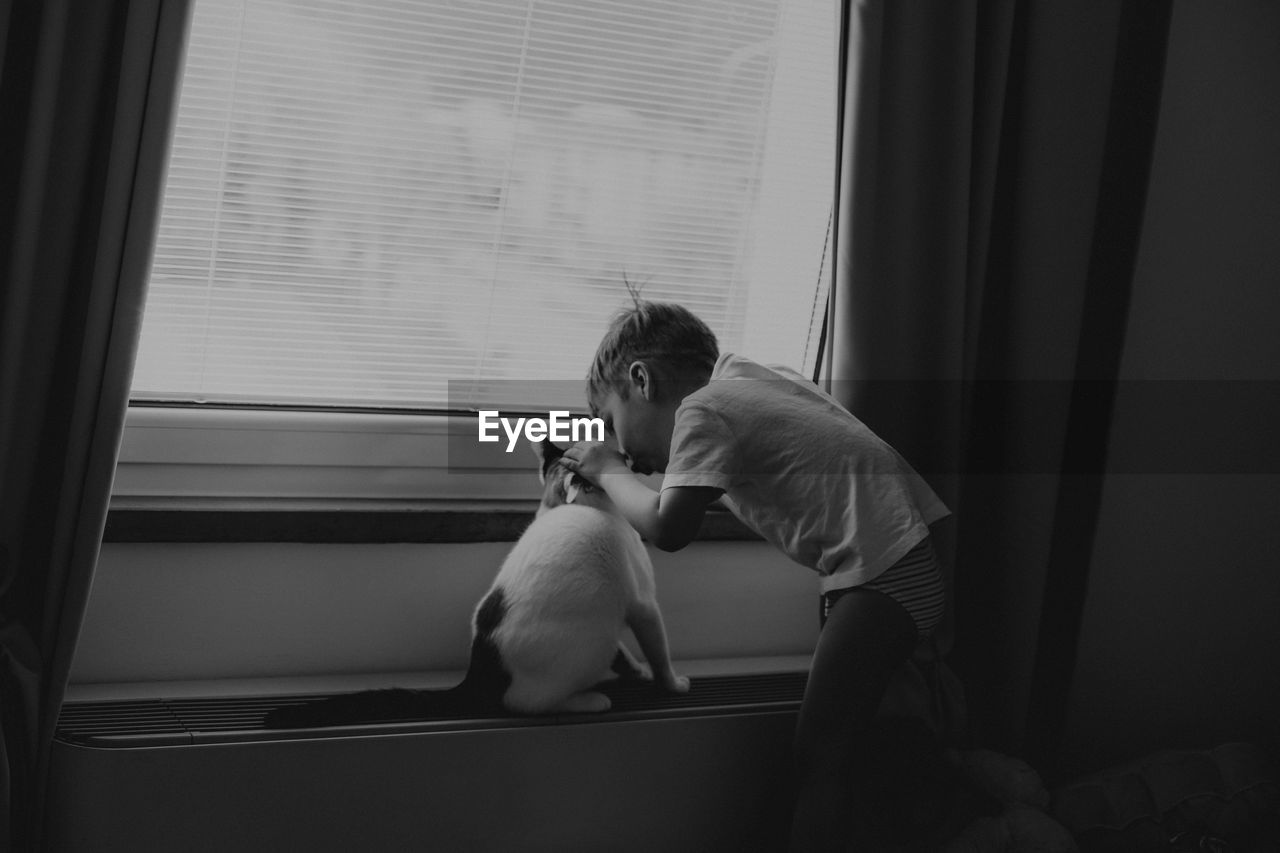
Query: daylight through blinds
{"points": [[366, 201]]}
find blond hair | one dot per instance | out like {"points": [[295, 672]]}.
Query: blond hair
{"points": [[669, 338]]}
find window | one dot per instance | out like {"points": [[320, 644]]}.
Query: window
{"points": [[384, 207]]}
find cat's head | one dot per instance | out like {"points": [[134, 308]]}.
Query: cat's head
{"points": [[561, 486]]}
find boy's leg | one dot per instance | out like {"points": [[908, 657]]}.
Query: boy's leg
{"points": [[866, 638]]}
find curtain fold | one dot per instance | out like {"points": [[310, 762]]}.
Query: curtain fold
{"points": [[85, 98], [985, 145]]}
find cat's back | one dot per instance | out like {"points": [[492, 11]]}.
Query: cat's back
{"points": [[573, 533], [574, 557]]}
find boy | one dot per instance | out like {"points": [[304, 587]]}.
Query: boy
{"points": [[807, 476]]}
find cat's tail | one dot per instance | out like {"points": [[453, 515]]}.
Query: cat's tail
{"points": [[369, 706], [480, 691]]}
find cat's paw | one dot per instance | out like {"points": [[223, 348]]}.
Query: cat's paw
{"points": [[629, 670], [676, 684], [587, 702]]}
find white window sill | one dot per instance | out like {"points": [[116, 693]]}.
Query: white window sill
{"points": [[253, 475], [253, 455]]}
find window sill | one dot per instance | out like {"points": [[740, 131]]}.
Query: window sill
{"points": [[311, 684], [344, 521], [247, 475]]}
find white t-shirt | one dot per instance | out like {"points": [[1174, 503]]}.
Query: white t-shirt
{"points": [[801, 471]]}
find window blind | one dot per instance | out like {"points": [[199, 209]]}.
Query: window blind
{"points": [[368, 203]]}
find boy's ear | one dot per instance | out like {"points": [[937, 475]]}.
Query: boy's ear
{"points": [[641, 379], [548, 454]]}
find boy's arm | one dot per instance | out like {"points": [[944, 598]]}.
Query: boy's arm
{"points": [[669, 519]]}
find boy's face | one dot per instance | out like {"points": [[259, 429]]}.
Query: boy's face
{"points": [[642, 428]]}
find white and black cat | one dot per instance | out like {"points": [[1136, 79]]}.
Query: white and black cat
{"points": [[550, 628]]}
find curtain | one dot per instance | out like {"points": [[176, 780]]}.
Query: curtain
{"points": [[79, 184], [992, 179]]}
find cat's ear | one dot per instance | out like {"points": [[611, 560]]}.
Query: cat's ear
{"points": [[548, 454]]}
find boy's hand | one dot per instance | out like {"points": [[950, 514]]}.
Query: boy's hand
{"points": [[669, 519], [594, 460]]}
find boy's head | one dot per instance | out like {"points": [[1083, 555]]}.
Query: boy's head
{"points": [[670, 339], [653, 354]]}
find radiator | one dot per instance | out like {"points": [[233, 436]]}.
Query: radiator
{"points": [[705, 772]]}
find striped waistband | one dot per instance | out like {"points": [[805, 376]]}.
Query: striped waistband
{"points": [[915, 582]]}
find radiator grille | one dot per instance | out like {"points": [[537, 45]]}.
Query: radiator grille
{"points": [[173, 722]]}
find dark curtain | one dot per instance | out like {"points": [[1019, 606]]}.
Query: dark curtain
{"points": [[79, 183], [994, 159]]}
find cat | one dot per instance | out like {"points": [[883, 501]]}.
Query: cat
{"points": [[549, 630]]}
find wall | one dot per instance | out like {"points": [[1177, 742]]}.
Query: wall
{"points": [[1180, 644]]}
